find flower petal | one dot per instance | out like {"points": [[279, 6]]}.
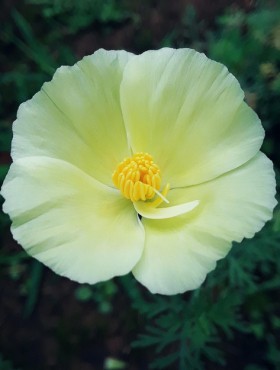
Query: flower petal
{"points": [[145, 210], [185, 110], [176, 259], [77, 117], [179, 252], [77, 226]]}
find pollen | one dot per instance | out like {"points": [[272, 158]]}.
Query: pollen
{"points": [[138, 177]]}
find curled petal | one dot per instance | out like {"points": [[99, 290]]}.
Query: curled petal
{"points": [[145, 210]]}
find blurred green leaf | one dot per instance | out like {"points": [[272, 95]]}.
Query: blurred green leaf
{"points": [[33, 290], [6, 364], [3, 171], [32, 48], [83, 293], [114, 364]]}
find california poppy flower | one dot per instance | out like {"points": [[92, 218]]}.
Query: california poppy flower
{"points": [[147, 163]]}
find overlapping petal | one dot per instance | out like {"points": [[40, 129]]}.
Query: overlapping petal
{"points": [[77, 116], [188, 112], [179, 252], [77, 226]]}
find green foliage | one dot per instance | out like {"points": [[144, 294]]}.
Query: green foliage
{"points": [[6, 365], [76, 15], [31, 47], [249, 45], [189, 32], [33, 287], [114, 364], [102, 294]]}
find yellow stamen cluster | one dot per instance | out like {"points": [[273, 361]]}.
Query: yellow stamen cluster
{"points": [[138, 177]]}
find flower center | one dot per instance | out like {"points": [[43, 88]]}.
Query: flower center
{"points": [[138, 178]]}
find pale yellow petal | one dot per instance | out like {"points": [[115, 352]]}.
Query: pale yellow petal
{"points": [[188, 113], [145, 210], [235, 205], [75, 225], [77, 116], [179, 252], [175, 259]]}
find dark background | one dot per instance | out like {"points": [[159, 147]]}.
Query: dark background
{"points": [[49, 322]]}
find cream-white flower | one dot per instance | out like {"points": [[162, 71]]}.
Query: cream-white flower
{"points": [[165, 135]]}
